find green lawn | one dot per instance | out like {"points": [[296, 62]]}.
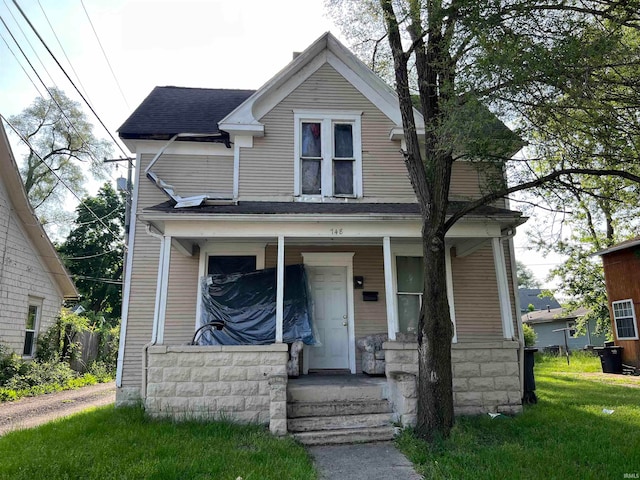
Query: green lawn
{"points": [[566, 435], [123, 444]]}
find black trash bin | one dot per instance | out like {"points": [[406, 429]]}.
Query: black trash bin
{"points": [[529, 378], [610, 358]]}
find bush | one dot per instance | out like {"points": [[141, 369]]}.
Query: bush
{"points": [[530, 335], [10, 365], [42, 373]]}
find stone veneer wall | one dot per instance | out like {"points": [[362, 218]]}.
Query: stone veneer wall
{"points": [[242, 383], [486, 378]]}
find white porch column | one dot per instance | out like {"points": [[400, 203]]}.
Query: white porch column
{"points": [[503, 288], [390, 297], [280, 290], [162, 285]]}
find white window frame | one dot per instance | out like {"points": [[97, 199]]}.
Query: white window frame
{"points": [[633, 318], [327, 119], [415, 250], [37, 303], [572, 325]]}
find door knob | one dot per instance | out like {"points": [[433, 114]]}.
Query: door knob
{"points": [[344, 317], [344, 324]]}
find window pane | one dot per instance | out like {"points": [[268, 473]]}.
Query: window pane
{"points": [[343, 140], [28, 343], [311, 144], [31, 317], [409, 274], [625, 327], [408, 312], [311, 174], [343, 177], [226, 264]]}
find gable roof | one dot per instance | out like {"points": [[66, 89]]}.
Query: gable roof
{"points": [[30, 224], [531, 296], [245, 119], [168, 111]]}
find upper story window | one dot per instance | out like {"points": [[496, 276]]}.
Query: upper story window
{"points": [[328, 154]]}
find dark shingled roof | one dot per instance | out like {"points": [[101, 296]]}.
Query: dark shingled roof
{"points": [[171, 110], [530, 296], [342, 208]]}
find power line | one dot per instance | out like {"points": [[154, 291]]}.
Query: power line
{"points": [[26, 141], [62, 48], [105, 54], [97, 279], [70, 123], [21, 66], [27, 39], [86, 257], [15, 2]]}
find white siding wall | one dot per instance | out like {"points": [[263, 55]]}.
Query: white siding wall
{"points": [[22, 275]]}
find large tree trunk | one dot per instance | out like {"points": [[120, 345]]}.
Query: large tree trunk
{"points": [[435, 401]]}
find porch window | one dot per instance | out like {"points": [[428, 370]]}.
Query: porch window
{"points": [[625, 320], [227, 264], [410, 283], [33, 314], [328, 155]]}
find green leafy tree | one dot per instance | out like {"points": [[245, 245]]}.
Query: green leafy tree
{"points": [[526, 278], [93, 252], [59, 133], [516, 56]]}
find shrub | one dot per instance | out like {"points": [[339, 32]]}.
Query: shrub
{"points": [[42, 373], [60, 342], [10, 364], [530, 335]]}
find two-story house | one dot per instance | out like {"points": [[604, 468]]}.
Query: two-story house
{"points": [[305, 170]]}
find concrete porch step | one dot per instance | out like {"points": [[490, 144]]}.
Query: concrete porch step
{"points": [[325, 409], [336, 393], [346, 435], [339, 422]]}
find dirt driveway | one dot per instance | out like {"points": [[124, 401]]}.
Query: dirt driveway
{"points": [[33, 411]]}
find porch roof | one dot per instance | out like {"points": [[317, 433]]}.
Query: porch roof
{"points": [[322, 208]]}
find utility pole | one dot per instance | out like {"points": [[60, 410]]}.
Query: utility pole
{"points": [[127, 211]]}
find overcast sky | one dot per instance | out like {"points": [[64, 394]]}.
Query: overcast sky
{"points": [[230, 44]]}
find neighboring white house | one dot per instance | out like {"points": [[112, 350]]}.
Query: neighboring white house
{"points": [[33, 280]]}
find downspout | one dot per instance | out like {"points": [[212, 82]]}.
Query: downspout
{"points": [[154, 331], [520, 333]]}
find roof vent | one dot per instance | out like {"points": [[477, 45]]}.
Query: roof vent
{"points": [[548, 308]]}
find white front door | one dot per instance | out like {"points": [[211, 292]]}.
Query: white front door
{"points": [[330, 314]]}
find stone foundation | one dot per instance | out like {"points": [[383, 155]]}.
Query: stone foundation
{"points": [[241, 383], [486, 378]]}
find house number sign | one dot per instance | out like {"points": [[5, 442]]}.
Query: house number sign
{"points": [[336, 231]]}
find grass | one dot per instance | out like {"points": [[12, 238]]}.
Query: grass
{"points": [[566, 435], [123, 443]]}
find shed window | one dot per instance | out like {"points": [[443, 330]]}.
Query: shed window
{"points": [[625, 320]]}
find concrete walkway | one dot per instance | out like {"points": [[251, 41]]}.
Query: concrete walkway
{"points": [[364, 461]]}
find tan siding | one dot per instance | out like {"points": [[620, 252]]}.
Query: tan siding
{"points": [[182, 299], [471, 180], [476, 295], [267, 168], [189, 174], [370, 317], [144, 276]]}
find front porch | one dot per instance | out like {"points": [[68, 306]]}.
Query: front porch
{"points": [[249, 384]]}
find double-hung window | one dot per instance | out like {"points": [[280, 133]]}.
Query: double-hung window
{"points": [[328, 155], [624, 318], [410, 285], [31, 327]]}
